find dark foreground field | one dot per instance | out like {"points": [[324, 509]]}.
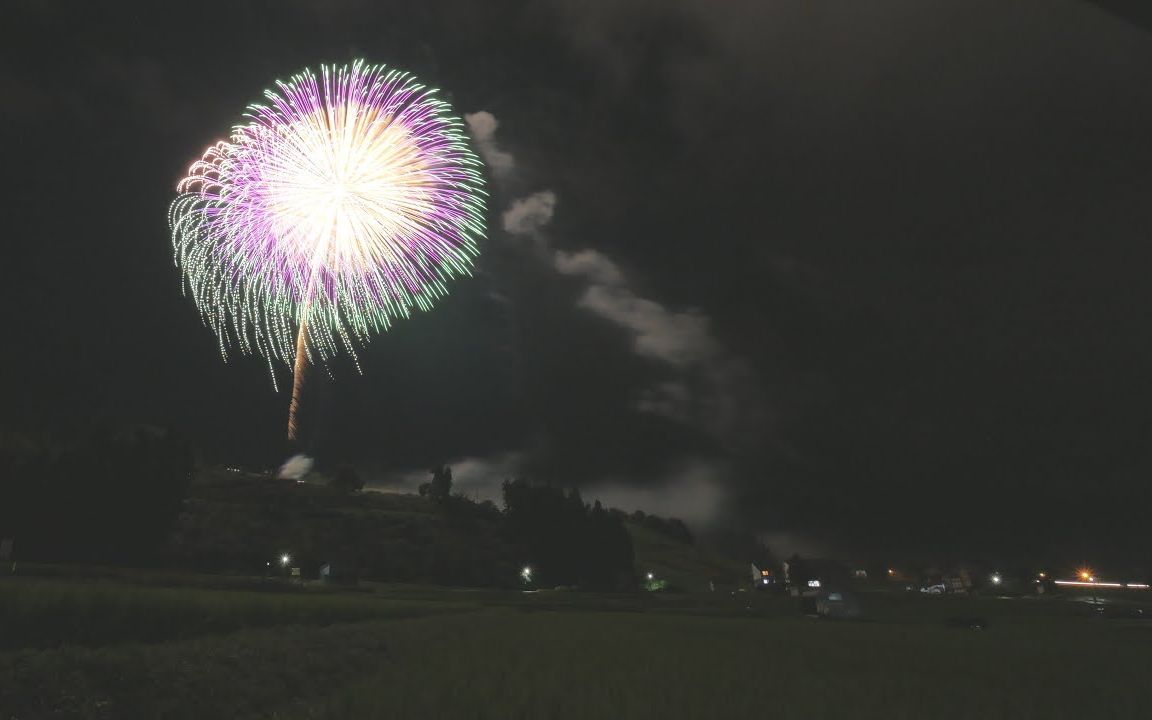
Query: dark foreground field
{"points": [[72, 648]]}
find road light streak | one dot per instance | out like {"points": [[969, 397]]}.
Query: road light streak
{"points": [[1101, 584]]}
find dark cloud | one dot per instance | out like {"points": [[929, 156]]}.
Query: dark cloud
{"points": [[712, 389], [1133, 11], [699, 396], [695, 490]]}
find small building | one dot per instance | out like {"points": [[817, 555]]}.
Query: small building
{"points": [[763, 577]]}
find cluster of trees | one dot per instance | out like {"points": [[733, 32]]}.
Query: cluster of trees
{"points": [[241, 523], [346, 479], [670, 527], [103, 496], [566, 541], [440, 486], [127, 496]]}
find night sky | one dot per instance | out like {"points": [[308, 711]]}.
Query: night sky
{"points": [[867, 276]]}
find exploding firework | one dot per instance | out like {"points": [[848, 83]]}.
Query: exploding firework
{"points": [[344, 201]]}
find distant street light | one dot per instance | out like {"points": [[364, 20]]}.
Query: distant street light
{"points": [[1087, 575], [650, 576], [285, 559], [996, 579], [526, 573]]}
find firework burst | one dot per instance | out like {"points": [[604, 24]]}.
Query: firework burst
{"points": [[343, 202]]}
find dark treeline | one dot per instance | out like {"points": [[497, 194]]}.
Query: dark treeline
{"points": [[236, 523], [243, 524], [129, 496], [670, 527], [102, 496], [566, 541]]}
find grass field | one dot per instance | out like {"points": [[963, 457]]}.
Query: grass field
{"points": [[113, 649], [46, 614]]}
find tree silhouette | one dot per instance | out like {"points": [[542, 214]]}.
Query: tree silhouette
{"points": [[565, 541], [346, 480], [109, 495], [440, 487]]}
